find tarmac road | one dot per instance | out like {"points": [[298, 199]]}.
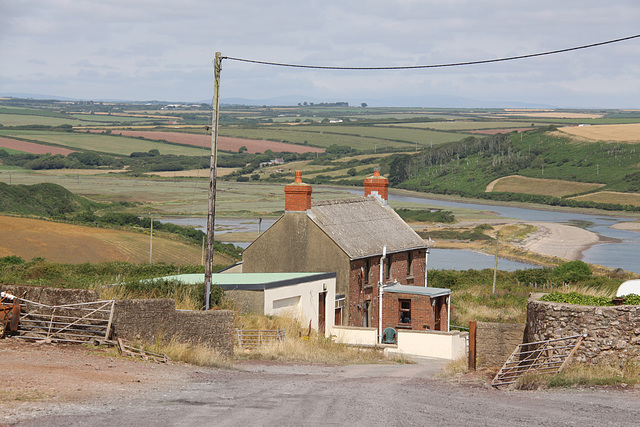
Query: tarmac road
{"points": [[263, 394]]}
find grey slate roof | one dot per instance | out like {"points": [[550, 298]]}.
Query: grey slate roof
{"points": [[417, 290], [361, 226]]}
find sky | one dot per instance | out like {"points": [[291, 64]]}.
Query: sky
{"points": [[143, 50]]}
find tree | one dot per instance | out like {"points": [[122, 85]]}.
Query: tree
{"points": [[351, 172], [364, 105], [242, 149]]}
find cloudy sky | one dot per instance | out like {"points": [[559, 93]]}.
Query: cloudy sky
{"points": [[163, 50]]}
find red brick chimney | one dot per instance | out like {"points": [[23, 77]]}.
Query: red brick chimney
{"points": [[377, 184], [297, 196]]}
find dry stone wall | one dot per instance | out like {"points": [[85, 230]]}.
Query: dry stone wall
{"points": [[146, 320], [611, 333]]}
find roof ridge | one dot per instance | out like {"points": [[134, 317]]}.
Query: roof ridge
{"points": [[339, 201]]}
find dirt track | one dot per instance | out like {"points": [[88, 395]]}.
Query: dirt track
{"points": [[60, 385]]}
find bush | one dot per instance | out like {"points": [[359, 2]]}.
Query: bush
{"points": [[572, 271]]}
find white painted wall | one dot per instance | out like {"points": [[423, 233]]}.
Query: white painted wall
{"points": [[302, 302], [443, 345], [355, 335]]}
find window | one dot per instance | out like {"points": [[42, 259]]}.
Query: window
{"points": [[409, 263], [405, 311], [367, 270]]}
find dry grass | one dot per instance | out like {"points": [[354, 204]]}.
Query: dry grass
{"points": [[513, 232], [470, 312], [198, 355], [75, 244], [304, 346], [615, 133], [183, 295], [547, 187], [455, 367], [611, 197]]}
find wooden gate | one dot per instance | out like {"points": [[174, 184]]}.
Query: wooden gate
{"points": [[83, 322], [542, 357]]}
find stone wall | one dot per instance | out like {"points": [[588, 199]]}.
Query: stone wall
{"points": [[146, 320], [51, 296], [612, 333], [496, 341]]}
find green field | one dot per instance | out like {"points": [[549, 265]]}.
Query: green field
{"points": [[117, 145], [358, 137], [25, 120]]}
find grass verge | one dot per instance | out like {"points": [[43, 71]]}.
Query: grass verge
{"points": [[621, 373]]}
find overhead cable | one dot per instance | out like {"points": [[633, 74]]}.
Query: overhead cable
{"points": [[453, 64]]}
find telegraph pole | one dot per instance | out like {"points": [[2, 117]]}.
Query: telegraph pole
{"points": [[211, 216], [495, 269]]}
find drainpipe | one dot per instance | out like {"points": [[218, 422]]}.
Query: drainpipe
{"points": [[449, 313], [426, 263], [384, 255]]}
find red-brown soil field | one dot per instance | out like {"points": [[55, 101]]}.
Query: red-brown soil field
{"points": [[71, 244], [224, 143], [30, 147]]}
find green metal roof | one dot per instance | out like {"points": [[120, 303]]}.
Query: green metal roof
{"points": [[249, 281]]}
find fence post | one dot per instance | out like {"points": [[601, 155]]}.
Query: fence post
{"points": [[472, 346]]}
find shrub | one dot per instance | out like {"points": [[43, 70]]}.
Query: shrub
{"points": [[572, 271]]}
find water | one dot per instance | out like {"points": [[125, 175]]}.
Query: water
{"points": [[625, 253], [457, 259]]}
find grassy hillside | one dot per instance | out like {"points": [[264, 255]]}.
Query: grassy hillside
{"points": [[467, 167], [47, 200]]}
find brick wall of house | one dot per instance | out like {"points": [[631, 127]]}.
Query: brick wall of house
{"points": [[365, 289], [421, 313]]}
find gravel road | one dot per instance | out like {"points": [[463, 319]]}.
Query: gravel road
{"points": [[126, 393]]}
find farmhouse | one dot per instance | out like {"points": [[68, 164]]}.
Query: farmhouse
{"points": [[376, 256]]}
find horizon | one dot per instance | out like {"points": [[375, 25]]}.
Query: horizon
{"points": [[141, 50]]}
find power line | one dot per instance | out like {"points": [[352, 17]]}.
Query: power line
{"points": [[453, 64]]}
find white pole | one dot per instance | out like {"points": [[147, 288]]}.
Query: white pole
{"points": [[426, 263], [449, 313], [384, 255]]}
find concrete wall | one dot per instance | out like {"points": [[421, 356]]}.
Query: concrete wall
{"points": [[612, 333], [302, 301], [354, 335], [443, 345], [247, 301], [496, 341], [295, 244]]}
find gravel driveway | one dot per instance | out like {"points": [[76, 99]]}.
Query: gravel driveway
{"points": [[120, 392]]}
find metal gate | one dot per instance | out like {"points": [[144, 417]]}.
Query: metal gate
{"points": [[542, 357], [83, 322]]}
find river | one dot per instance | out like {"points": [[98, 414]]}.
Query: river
{"points": [[625, 253]]}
